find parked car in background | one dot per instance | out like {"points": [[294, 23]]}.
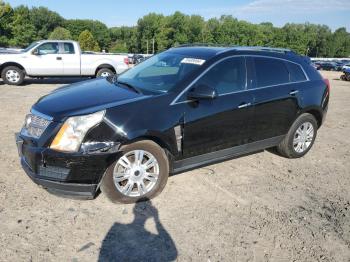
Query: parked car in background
{"points": [[346, 66], [316, 66], [55, 58], [338, 65], [346, 75], [138, 58], [178, 110], [328, 66]]}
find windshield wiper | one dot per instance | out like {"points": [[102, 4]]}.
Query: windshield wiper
{"points": [[128, 86]]}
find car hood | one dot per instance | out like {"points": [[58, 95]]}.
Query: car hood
{"points": [[84, 98]]}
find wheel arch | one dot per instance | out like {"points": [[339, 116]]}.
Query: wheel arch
{"points": [[156, 139], [317, 113], [105, 65], [4, 65]]}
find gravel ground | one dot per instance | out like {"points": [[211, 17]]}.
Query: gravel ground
{"points": [[261, 207]]}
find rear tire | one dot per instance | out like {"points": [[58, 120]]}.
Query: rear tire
{"points": [[104, 72], [121, 183], [12, 75], [300, 137]]}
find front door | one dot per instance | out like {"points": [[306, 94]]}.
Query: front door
{"points": [[224, 122], [46, 60]]}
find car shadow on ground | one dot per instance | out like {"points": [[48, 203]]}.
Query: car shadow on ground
{"points": [[132, 242], [58, 80]]}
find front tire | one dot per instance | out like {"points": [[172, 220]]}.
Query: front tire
{"points": [[300, 137], [12, 75], [104, 72], [139, 174]]}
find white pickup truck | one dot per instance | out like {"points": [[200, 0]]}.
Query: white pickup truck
{"points": [[57, 58]]}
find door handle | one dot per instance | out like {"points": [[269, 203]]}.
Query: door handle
{"points": [[243, 105], [58, 58], [294, 92]]}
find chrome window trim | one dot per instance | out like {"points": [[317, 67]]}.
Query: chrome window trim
{"points": [[174, 102], [37, 113]]}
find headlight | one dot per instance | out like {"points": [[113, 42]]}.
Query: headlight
{"points": [[73, 131]]}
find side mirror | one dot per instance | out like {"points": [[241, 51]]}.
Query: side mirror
{"points": [[35, 52], [202, 92]]}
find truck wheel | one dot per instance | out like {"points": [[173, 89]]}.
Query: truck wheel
{"points": [[104, 72], [139, 174], [300, 138], [12, 75]]}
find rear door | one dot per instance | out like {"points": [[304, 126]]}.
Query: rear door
{"points": [[276, 96], [46, 61], [70, 58], [223, 122]]}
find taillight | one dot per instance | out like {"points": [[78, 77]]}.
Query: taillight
{"points": [[327, 83], [126, 60], [326, 93]]}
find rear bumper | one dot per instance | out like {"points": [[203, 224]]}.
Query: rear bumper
{"points": [[72, 175]]}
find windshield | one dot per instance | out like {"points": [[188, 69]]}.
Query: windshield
{"points": [[30, 47], [161, 72]]}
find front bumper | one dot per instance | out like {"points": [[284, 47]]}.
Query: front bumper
{"points": [[73, 175]]}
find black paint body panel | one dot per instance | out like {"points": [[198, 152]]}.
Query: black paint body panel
{"points": [[212, 130]]}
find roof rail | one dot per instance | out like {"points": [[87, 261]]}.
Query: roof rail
{"points": [[263, 48], [237, 47], [201, 44]]}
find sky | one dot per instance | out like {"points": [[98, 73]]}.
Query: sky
{"points": [[334, 13]]}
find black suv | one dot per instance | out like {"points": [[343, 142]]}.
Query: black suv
{"points": [[180, 109]]}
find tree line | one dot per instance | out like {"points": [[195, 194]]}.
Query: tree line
{"points": [[19, 26]]}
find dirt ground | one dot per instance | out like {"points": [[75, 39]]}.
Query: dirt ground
{"points": [[260, 207]]}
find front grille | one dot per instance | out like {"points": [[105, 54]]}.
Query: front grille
{"points": [[34, 125]]}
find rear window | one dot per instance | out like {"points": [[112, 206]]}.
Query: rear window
{"points": [[270, 72], [68, 48]]}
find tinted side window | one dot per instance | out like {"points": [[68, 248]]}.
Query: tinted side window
{"points": [[68, 48], [270, 72], [295, 72], [227, 76]]}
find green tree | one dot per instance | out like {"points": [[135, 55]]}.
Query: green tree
{"points": [[6, 13], [98, 29], [60, 33], [119, 47], [22, 31], [21, 25], [44, 21], [196, 28], [87, 41], [152, 27], [178, 31], [341, 43], [126, 35]]}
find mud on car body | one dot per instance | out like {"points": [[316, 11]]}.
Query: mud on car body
{"points": [[183, 108]]}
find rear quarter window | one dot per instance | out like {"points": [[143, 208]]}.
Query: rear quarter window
{"points": [[270, 71], [296, 74]]}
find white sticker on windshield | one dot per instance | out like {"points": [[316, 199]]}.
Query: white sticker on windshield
{"points": [[193, 61]]}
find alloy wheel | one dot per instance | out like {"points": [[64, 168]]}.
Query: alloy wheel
{"points": [[136, 173], [303, 137]]}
